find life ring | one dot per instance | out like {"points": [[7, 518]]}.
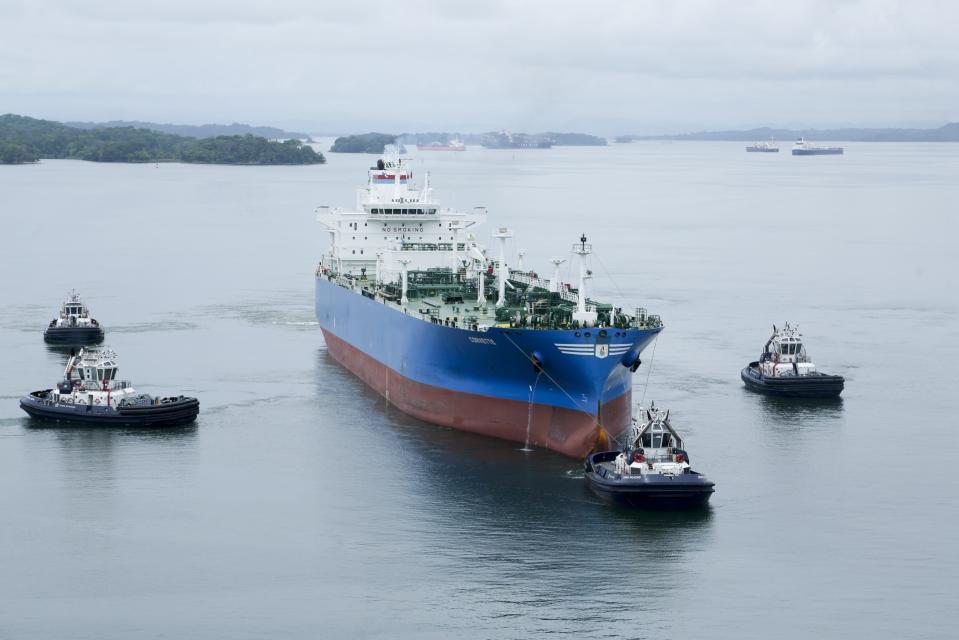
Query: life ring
{"points": [[81, 401], [97, 400], [639, 457]]}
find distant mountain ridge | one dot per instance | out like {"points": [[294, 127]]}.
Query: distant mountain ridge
{"points": [[197, 131], [946, 133]]}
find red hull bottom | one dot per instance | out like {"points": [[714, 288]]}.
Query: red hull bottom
{"points": [[572, 433]]}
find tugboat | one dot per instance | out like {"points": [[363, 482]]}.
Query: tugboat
{"points": [[651, 472], [769, 146], [90, 394], [74, 326], [803, 148], [784, 369]]}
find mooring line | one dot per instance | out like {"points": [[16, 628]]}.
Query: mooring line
{"points": [[649, 370]]}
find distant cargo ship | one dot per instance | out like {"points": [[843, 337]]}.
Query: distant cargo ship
{"points": [[401, 298], [767, 146], [452, 145], [505, 140], [803, 148]]}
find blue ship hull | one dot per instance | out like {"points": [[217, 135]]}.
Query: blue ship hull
{"points": [[487, 381]]}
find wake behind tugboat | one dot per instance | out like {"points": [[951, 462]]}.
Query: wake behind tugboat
{"points": [[90, 394], [651, 472]]}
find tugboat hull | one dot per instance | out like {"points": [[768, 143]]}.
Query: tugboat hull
{"points": [[168, 412], [826, 151], [817, 385], [73, 336], [651, 491]]}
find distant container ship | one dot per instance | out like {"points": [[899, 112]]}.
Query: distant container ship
{"points": [[803, 148], [767, 146], [505, 140], [452, 145], [401, 298]]}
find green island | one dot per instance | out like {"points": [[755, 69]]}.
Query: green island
{"points": [[363, 143], [24, 140]]}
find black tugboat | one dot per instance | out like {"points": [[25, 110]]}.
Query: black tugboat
{"points": [[74, 326], [784, 369], [90, 394], [652, 472]]}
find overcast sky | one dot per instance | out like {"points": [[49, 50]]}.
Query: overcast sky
{"points": [[406, 65]]}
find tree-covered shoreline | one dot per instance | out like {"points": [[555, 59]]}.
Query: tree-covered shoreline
{"points": [[196, 131], [24, 139], [363, 143]]}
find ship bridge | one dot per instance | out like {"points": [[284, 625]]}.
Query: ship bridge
{"points": [[398, 227]]}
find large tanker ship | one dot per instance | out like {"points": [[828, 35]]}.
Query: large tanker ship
{"points": [[403, 300]]}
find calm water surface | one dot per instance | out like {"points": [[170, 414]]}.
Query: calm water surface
{"points": [[300, 505]]}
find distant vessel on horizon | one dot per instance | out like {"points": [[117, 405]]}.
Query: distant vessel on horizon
{"points": [[767, 146], [453, 145], [506, 140], [803, 148]]}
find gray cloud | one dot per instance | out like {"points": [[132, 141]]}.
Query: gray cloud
{"points": [[602, 66]]}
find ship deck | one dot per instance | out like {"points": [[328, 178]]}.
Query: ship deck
{"points": [[448, 301]]}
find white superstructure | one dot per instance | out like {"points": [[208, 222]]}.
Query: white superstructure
{"points": [[654, 446], [397, 227], [73, 313], [90, 378], [785, 354]]}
